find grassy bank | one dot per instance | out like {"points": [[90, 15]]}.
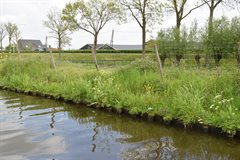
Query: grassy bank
{"points": [[209, 97]]}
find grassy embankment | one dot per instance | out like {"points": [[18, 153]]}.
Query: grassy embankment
{"points": [[210, 97]]}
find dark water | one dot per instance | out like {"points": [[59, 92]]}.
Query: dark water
{"points": [[37, 128]]}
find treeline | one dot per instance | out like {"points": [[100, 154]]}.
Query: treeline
{"points": [[225, 41]]}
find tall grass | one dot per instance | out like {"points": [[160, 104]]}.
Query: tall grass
{"points": [[206, 96]]}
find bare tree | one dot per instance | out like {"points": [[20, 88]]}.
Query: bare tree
{"points": [[11, 28], [91, 16], [2, 35], [179, 7], [59, 29], [146, 13]]}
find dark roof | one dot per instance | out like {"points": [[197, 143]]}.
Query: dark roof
{"points": [[99, 46], [127, 47], [27, 43]]}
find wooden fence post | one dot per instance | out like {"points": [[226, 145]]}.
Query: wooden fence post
{"points": [[159, 61], [52, 58]]}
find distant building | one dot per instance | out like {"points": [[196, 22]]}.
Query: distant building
{"points": [[32, 45], [99, 47], [127, 47], [114, 47]]}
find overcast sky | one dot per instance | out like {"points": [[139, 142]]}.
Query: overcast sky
{"points": [[29, 16]]}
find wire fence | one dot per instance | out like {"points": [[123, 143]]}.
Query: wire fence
{"points": [[190, 56]]}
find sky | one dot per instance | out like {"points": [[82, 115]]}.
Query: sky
{"points": [[29, 16]]}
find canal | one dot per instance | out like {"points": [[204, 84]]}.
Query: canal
{"points": [[38, 128]]}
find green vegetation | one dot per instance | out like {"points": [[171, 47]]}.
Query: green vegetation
{"points": [[195, 41], [204, 96]]}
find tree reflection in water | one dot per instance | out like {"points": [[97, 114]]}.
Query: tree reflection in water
{"points": [[95, 130], [162, 149], [52, 120]]}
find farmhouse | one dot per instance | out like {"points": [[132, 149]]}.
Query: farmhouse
{"points": [[99, 47], [32, 45], [114, 47]]}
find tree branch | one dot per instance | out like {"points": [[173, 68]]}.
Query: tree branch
{"points": [[132, 13], [207, 2], [193, 10], [86, 30], [218, 2]]}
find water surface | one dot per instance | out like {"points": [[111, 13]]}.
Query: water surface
{"points": [[38, 128]]}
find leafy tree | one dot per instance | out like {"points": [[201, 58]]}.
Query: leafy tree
{"points": [[235, 29], [59, 29], [212, 5], [91, 16], [193, 32], [194, 44], [179, 7], [146, 13], [11, 28], [2, 35], [165, 41], [222, 42]]}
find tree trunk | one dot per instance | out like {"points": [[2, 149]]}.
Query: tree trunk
{"points": [[177, 34], [53, 65], [94, 51], [178, 59], [210, 38], [1, 47], [10, 45], [207, 59], [163, 58], [197, 59], [17, 47], [144, 39], [178, 53], [210, 25], [59, 48], [59, 53], [217, 58]]}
